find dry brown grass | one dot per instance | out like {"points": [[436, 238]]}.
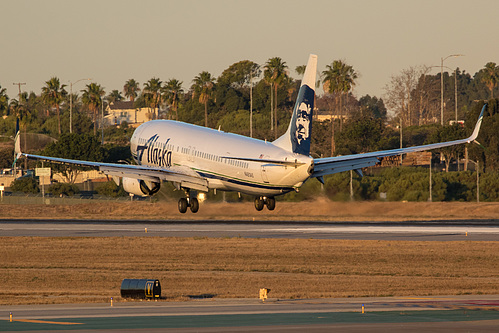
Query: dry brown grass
{"points": [[63, 270], [319, 209]]}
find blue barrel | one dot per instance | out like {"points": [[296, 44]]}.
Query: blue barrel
{"points": [[140, 288]]}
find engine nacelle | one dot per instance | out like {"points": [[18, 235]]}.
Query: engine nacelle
{"points": [[140, 187]]}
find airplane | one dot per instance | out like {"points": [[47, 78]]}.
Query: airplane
{"points": [[195, 158]]}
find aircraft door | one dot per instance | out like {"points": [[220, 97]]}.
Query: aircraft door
{"points": [[264, 174]]}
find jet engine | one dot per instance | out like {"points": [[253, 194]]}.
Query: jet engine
{"points": [[140, 187]]}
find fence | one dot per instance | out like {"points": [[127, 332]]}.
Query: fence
{"points": [[37, 199]]}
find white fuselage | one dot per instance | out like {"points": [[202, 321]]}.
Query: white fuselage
{"points": [[220, 157]]}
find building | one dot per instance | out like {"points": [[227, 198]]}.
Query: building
{"points": [[325, 115], [119, 111]]}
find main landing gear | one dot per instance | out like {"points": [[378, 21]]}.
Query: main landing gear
{"points": [[262, 201], [190, 202]]}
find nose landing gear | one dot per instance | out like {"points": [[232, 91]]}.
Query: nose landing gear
{"points": [[264, 201]]}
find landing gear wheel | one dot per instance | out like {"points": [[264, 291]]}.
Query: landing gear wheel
{"points": [[270, 203], [194, 205], [182, 205], [259, 204]]}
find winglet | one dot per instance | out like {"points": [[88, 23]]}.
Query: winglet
{"points": [[17, 143], [17, 148], [478, 124]]}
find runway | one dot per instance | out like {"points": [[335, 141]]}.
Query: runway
{"points": [[485, 230], [411, 314], [449, 313]]}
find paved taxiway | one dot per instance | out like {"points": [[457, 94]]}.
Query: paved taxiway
{"points": [[477, 230], [450, 313]]}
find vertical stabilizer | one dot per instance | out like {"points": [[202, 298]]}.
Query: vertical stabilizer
{"points": [[297, 137]]}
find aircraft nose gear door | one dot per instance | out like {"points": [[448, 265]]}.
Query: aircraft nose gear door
{"points": [[264, 174]]}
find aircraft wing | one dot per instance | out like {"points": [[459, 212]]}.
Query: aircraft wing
{"points": [[330, 165], [183, 175]]}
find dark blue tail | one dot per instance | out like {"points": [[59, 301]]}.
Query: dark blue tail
{"points": [[297, 137]]}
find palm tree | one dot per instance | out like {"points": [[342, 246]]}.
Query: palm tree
{"points": [[338, 79], [300, 70], [203, 85], [491, 77], [22, 111], [92, 98], [152, 93], [172, 92], [53, 94], [275, 73], [114, 96], [131, 89]]}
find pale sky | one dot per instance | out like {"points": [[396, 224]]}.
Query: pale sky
{"points": [[112, 41]]}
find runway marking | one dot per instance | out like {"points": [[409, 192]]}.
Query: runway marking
{"points": [[390, 229], [44, 322]]}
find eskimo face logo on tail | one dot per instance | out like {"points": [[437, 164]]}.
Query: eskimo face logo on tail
{"points": [[154, 152], [302, 123]]}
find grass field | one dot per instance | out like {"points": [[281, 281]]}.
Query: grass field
{"points": [[68, 270], [319, 209]]}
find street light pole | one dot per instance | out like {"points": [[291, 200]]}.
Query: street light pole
{"points": [[455, 91], [251, 105], [102, 122], [442, 85], [71, 104], [477, 166]]}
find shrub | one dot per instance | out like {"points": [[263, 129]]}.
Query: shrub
{"points": [[67, 189], [25, 184], [111, 190]]}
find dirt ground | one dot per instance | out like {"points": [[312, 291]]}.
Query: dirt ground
{"points": [[40, 270], [321, 209], [33, 269]]}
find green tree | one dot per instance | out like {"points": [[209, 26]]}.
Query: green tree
{"points": [[4, 102], [360, 135], [372, 106], [92, 98], [173, 92], [60, 189], [53, 93], [6, 158], [110, 189], [203, 85], [74, 146], [25, 184], [449, 133], [490, 77], [238, 75], [131, 89]]}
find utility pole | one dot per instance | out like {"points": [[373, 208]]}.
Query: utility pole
{"points": [[19, 84]]}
